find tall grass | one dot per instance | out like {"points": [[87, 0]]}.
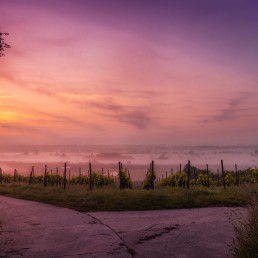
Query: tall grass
{"points": [[245, 244], [113, 199]]}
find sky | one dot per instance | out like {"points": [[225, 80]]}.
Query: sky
{"points": [[129, 72]]}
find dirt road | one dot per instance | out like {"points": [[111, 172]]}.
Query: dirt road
{"points": [[31, 229]]}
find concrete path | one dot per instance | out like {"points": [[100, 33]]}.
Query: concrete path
{"points": [[31, 229]]}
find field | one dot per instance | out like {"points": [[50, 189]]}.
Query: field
{"points": [[188, 188], [112, 199]]}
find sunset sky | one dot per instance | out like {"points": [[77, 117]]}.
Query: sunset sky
{"points": [[129, 72]]}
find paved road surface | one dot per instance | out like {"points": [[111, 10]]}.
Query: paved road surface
{"points": [[31, 229]]}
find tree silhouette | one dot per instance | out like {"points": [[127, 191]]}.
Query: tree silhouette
{"points": [[3, 45]]}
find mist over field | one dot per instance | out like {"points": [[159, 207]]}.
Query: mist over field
{"points": [[136, 158]]}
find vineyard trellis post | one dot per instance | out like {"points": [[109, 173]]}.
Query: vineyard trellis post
{"points": [[80, 176], [188, 174], [31, 175], [1, 176], [207, 169], [45, 176], [65, 176], [69, 178], [236, 174], [90, 176], [14, 175], [223, 174], [152, 174], [119, 174], [218, 177]]}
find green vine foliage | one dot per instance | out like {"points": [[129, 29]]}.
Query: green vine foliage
{"points": [[125, 180], [254, 175], [178, 179], [148, 182], [199, 177], [56, 179], [202, 179], [229, 178]]}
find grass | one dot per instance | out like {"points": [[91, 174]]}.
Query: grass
{"points": [[245, 244], [109, 199]]}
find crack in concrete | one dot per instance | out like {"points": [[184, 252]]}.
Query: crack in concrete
{"points": [[129, 249], [80, 254], [165, 230], [152, 226]]}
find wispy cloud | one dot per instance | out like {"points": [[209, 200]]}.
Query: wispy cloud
{"points": [[234, 109], [35, 85], [137, 118], [16, 128], [62, 119], [147, 94], [120, 107]]}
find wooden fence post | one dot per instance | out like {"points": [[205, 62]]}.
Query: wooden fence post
{"points": [[31, 175], [119, 174], [45, 176], [1, 176], [69, 178], [188, 174], [223, 174], [218, 177], [152, 174], [65, 176], [90, 176], [207, 168], [15, 175], [236, 171]]}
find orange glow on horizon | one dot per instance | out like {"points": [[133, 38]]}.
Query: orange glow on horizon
{"points": [[126, 77]]}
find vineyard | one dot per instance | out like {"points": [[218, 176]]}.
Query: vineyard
{"points": [[187, 177]]}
